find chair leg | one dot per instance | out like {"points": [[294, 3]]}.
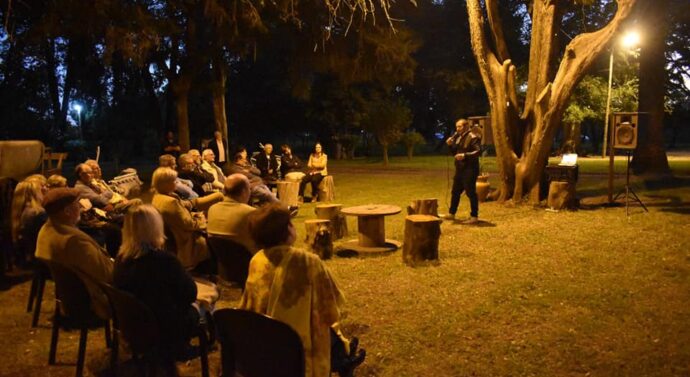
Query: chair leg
{"points": [[39, 299], [32, 293], [82, 351], [108, 336], [115, 351], [54, 334], [203, 343]]}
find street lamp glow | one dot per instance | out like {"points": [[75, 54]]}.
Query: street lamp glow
{"points": [[631, 40], [77, 107]]}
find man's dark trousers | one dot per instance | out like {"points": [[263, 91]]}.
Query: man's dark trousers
{"points": [[465, 180]]}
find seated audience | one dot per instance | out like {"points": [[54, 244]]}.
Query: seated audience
{"points": [[55, 181], [220, 149], [41, 179], [267, 163], [317, 169], [290, 165], [296, 287], [145, 269], [61, 241], [196, 156], [229, 217], [100, 195], [210, 166], [190, 171], [183, 187], [28, 216], [259, 190], [186, 227]]}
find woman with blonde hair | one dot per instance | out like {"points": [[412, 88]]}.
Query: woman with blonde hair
{"points": [[144, 269], [28, 216]]}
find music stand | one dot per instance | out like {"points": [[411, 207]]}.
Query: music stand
{"points": [[629, 192]]}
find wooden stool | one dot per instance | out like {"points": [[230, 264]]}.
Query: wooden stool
{"points": [[561, 195], [319, 240], [288, 192], [423, 207], [421, 238], [338, 224], [327, 189]]}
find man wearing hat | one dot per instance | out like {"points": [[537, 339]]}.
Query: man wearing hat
{"points": [[61, 241]]}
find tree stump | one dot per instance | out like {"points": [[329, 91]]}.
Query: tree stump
{"points": [[483, 187], [327, 189], [338, 224], [561, 195], [319, 240], [421, 238], [288, 192], [423, 207]]}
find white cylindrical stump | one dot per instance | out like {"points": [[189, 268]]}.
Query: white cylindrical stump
{"points": [[288, 192]]}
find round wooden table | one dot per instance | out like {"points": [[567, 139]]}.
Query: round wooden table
{"points": [[371, 228]]}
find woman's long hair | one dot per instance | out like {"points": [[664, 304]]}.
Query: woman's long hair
{"points": [[27, 194], [142, 231]]}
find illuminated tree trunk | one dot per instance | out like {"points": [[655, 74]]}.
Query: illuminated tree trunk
{"points": [[180, 89], [650, 155], [218, 92], [523, 139]]}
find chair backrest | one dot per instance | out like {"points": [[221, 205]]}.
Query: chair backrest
{"points": [[71, 292], [258, 346], [232, 258], [133, 319]]}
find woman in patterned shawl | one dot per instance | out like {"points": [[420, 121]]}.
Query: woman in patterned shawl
{"points": [[295, 287]]}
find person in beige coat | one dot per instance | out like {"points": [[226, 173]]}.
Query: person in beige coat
{"points": [[187, 228], [61, 241]]}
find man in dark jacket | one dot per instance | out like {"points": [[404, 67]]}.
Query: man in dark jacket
{"points": [[190, 171], [465, 147], [267, 163]]}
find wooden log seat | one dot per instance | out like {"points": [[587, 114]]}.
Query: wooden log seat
{"points": [[327, 189], [331, 212], [423, 207], [422, 233], [288, 192], [561, 195]]}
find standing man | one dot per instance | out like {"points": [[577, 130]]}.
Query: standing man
{"points": [[465, 147], [220, 149]]}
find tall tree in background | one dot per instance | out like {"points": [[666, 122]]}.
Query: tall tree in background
{"points": [[523, 139], [650, 155]]}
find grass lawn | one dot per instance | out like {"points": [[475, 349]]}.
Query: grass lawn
{"points": [[531, 293]]}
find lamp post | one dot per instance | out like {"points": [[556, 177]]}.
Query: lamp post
{"points": [[629, 41], [77, 107]]}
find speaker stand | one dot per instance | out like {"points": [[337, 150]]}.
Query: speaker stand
{"points": [[628, 190]]}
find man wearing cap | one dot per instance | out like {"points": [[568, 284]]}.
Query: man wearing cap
{"points": [[61, 241]]}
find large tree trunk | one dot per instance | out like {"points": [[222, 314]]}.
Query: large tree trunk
{"points": [[650, 155], [524, 141], [218, 92], [180, 89], [384, 146]]}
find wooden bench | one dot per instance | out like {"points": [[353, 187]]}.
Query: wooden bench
{"points": [[49, 158]]}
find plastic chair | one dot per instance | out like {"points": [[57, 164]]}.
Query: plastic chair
{"points": [[38, 283], [138, 326], [254, 345], [72, 310], [232, 258]]}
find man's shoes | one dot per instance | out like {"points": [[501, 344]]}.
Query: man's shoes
{"points": [[448, 216], [471, 221], [293, 210]]}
